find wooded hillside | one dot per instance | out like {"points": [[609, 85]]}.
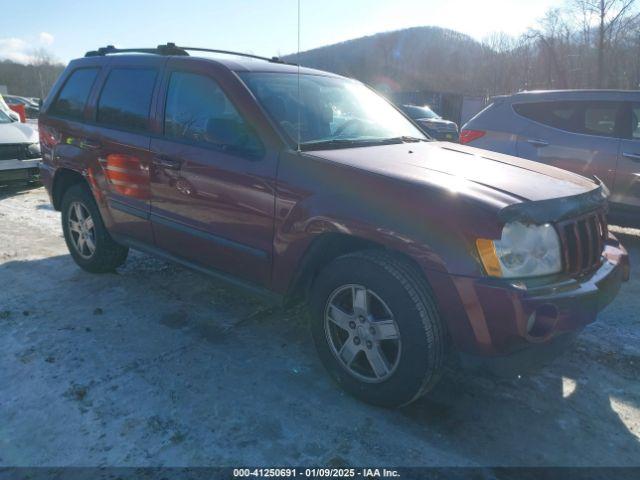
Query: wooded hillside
{"points": [[585, 44]]}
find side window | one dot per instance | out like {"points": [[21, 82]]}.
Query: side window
{"points": [[562, 115], [600, 118], [198, 111], [591, 118], [73, 95], [635, 121], [125, 100]]}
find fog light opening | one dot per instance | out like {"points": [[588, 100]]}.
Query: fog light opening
{"points": [[542, 321]]}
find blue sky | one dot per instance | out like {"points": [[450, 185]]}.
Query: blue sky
{"points": [[68, 28]]}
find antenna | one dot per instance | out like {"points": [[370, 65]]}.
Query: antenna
{"points": [[298, 62]]}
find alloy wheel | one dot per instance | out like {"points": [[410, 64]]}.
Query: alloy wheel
{"points": [[82, 230], [362, 333]]}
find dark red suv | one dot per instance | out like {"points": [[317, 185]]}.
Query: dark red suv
{"points": [[300, 184]]}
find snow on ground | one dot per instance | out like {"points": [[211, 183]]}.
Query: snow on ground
{"points": [[157, 365]]}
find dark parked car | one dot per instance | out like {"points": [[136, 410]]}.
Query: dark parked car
{"points": [[431, 123], [300, 184], [590, 132], [32, 109]]}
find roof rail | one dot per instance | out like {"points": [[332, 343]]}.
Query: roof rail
{"points": [[168, 49], [172, 49], [229, 52]]}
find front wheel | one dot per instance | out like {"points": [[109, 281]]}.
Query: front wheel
{"points": [[376, 328], [87, 238]]}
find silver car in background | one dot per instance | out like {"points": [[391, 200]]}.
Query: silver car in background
{"points": [[590, 132], [19, 151]]}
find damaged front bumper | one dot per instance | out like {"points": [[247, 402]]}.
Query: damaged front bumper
{"points": [[521, 325]]}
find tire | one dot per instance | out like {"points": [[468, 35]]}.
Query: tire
{"points": [[412, 363], [106, 255]]}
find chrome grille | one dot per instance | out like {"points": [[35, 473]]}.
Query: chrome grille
{"points": [[583, 240]]}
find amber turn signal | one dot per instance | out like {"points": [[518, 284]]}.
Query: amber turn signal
{"points": [[487, 252]]}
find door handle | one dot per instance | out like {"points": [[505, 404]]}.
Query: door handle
{"points": [[537, 143], [88, 144], [166, 162], [632, 156]]}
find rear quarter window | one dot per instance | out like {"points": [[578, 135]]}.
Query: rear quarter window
{"points": [[125, 99], [73, 95]]}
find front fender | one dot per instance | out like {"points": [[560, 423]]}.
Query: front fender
{"points": [[436, 228]]}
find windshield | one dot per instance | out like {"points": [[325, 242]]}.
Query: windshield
{"points": [[4, 118], [334, 112], [419, 112]]}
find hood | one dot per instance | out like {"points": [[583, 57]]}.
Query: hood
{"points": [[456, 167], [17, 133]]}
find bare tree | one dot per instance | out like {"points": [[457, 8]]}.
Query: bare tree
{"points": [[553, 36], [612, 17], [583, 44], [33, 79], [42, 62]]}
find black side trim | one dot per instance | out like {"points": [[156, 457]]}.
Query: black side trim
{"points": [[123, 207], [162, 220], [262, 292]]}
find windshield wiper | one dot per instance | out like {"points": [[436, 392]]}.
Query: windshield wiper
{"points": [[405, 139], [355, 142], [337, 143]]}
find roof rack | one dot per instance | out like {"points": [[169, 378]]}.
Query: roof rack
{"points": [[172, 49]]}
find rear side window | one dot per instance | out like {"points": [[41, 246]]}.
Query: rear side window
{"points": [[600, 119], [73, 95], [198, 111], [591, 118], [125, 100]]}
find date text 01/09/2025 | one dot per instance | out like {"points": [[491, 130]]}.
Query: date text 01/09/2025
{"points": [[369, 473]]}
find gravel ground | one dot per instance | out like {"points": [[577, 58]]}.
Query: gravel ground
{"points": [[158, 366]]}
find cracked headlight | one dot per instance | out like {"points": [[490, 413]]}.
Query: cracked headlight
{"points": [[522, 251]]}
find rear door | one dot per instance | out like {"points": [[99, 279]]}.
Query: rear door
{"points": [[212, 177], [120, 139], [626, 191], [580, 136]]}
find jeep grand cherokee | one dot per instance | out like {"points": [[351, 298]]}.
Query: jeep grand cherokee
{"points": [[301, 184]]}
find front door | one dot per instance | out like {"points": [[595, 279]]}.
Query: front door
{"points": [[212, 181]]}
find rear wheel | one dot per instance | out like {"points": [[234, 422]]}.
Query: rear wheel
{"points": [[377, 329], [87, 238]]}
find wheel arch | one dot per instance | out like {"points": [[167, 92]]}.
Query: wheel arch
{"points": [[63, 180], [327, 247]]}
